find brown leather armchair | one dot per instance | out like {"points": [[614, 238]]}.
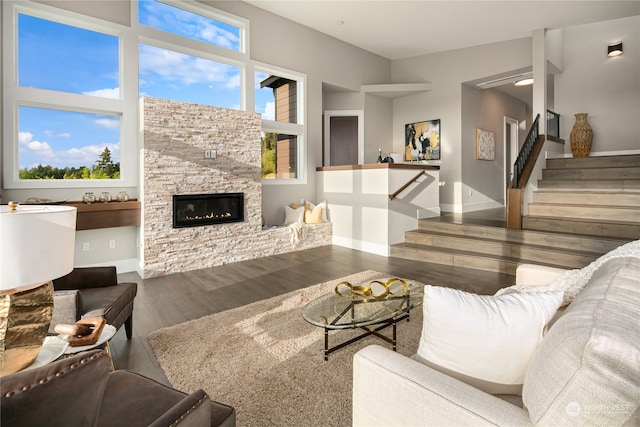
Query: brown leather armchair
{"points": [[100, 295], [80, 391]]}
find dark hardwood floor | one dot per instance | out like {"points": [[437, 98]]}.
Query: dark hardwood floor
{"points": [[172, 299]]}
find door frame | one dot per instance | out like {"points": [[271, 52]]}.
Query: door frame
{"points": [[327, 132], [511, 138]]}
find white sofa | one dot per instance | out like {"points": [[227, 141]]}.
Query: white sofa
{"points": [[586, 371]]}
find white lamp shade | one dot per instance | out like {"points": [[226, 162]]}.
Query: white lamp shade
{"points": [[37, 244]]}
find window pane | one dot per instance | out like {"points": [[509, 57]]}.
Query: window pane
{"points": [[183, 23], [276, 98], [279, 156], [59, 144], [61, 57], [171, 75]]}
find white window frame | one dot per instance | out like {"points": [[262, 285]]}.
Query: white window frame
{"points": [[298, 129], [15, 96]]}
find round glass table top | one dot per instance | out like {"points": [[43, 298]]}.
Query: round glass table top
{"points": [[354, 306]]}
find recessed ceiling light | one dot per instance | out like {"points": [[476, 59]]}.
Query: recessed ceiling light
{"points": [[340, 22], [524, 82]]}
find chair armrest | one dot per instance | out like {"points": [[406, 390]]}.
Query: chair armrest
{"points": [[392, 389], [531, 274], [87, 277], [193, 410]]}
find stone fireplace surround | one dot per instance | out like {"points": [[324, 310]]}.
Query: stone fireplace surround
{"points": [[176, 135]]}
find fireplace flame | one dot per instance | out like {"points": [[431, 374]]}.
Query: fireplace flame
{"points": [[211, 215]]}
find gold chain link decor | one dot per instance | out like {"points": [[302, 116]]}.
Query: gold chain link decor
{"points": [[375, 289]]}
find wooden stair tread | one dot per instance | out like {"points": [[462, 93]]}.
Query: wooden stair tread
{"points": [[591, 220], [516, 242], [562, 230], [501, 258]]}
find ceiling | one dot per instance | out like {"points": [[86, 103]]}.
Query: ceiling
{"points": [[401, 29]]}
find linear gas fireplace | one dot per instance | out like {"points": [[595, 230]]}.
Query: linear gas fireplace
{"points": [[194, 210]]}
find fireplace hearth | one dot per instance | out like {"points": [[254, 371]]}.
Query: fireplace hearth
{"points": [[195, 210]]}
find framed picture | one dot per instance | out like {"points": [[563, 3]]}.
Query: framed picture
{"points": [[485, 145], [422, 140]]}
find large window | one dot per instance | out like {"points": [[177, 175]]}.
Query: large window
{"points": [[177, 20], [59, 66], [170, 69], [277, 99], [65, 58], [173, 75], [71, 101], [62, 144]]}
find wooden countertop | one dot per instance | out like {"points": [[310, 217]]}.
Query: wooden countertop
{"points": [[417, 166]]}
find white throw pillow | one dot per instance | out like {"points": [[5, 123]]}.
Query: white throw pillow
{"points": [[488, 340], [292, 215]]}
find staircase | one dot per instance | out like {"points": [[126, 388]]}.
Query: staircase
{"points": [[596, 196], [583, 208]]}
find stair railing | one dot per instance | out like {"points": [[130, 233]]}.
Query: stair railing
{"points": [[401, 189], [522, 169], [525, 152], [553, 124]]}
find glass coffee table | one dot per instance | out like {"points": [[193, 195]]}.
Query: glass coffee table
{"points": [[371, 306]]}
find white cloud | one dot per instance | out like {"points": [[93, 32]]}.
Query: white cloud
{"points": [[52, 134], [218, 36], [113, 93], [108, 123], [269, 111], [185, 69], [24, 137]]}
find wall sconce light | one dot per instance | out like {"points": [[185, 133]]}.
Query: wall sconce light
{"points": [[614, 50]]}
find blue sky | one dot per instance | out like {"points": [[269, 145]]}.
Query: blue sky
{"points": [[63, 58]]}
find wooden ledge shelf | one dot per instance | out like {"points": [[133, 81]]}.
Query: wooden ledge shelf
{"points": [[106, 215]]}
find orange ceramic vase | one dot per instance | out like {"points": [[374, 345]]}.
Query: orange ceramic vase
{"points": [[581, 136]]}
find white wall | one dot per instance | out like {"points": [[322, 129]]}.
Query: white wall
{"points": [[606, 88]]}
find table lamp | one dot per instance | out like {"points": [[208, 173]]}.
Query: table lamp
{"points": [[36, 246]]}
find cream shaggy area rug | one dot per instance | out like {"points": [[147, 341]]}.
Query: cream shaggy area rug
{"points": [[265, 360]]}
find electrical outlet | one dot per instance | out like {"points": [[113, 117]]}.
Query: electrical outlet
{"points": [[212, 154], [112, 244], [85, 246], [470, 193], [207, 154]]}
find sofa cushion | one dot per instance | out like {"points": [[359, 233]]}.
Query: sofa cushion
{"points": [[587, 369], [485, 341]]}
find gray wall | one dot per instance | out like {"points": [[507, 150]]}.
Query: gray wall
{"points": [[483, 179], [446, 72], [606, 88]]}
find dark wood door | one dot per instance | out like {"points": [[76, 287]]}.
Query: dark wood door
{"points": [[343, 143]]}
